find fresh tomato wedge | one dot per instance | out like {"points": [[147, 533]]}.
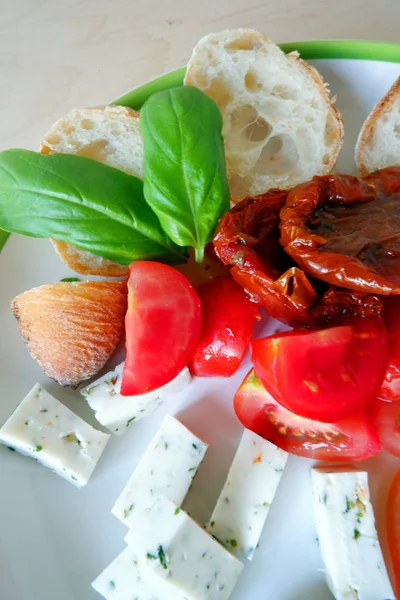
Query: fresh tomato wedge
{"points": [[327, 374], [162, 326], [385, 416], [393, 528], [228, 317], [390, 389], [353, 438]]}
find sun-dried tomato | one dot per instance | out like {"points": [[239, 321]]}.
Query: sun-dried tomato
{"points": [[247, 240], [346, 231]]}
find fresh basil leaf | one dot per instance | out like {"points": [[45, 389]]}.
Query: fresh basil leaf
{"points": [[83, 202], [185, 179]]}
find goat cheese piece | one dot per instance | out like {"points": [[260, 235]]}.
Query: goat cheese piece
{"points": [[167, 468], [182, 554], [118, 412], [347, 536], [126, 579], [45, 429], [243, 505]]}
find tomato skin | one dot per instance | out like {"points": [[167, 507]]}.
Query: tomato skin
{"points": [[228, 317], [324, 375], [357, 209], [162, 325], [385, 416], [264, 352], [390, 389], [393, 528], [353, 438]]}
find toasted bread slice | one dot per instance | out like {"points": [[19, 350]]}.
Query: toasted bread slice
{"points": [[72, 329], [279, 124], [86, 263], [378, 143], [111, 135]]}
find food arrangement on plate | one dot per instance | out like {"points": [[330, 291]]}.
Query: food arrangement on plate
{"points": [[211, 209]]}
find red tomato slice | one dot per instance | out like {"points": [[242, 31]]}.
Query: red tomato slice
{"points": [[353, 438], [393, 528], [386, 418], [228, 317], [162, 326], [390, 389], [328, 374]]}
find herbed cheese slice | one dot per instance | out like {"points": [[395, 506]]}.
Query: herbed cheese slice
{"points": [[349, 544], [242, 508], [167, 468], [126, 579], [118, 412], [45, 429], [183, 554]]}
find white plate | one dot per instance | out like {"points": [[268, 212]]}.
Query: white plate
{"points": [[55, 539]]}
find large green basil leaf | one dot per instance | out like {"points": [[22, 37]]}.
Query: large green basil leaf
{"points": [[185, 179], [83, 202]]}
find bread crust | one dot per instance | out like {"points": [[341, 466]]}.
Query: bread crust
{"points": [[86, 263], [337, 117], [367, 133]]}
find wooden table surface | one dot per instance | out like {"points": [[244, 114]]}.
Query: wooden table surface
{"points": [[58, 54]]}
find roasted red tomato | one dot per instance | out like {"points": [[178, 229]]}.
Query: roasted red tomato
{"points": [[353, 438], [247, 240], [346, 231], [228, 317], [385, 416], [325, 374], [390, 389], [162, 326]]}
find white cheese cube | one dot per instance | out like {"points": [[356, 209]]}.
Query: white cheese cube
{"points": [[45, 429], [126, 579], [167, 468], [182, 554], [118, 412], [243, 505], [347, 536]]}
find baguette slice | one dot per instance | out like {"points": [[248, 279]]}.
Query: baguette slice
{"points": [[71, 329], [378, 143], [111, 135], [279, 124]]}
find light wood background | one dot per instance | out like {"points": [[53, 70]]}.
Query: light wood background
{"points": [[58, 54]]}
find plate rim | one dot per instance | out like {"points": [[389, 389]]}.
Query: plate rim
{"points": [[346, 49]]}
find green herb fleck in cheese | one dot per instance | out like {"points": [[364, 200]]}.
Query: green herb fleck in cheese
{"points": [[161, 556], [349, 505], [127, 511]]}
